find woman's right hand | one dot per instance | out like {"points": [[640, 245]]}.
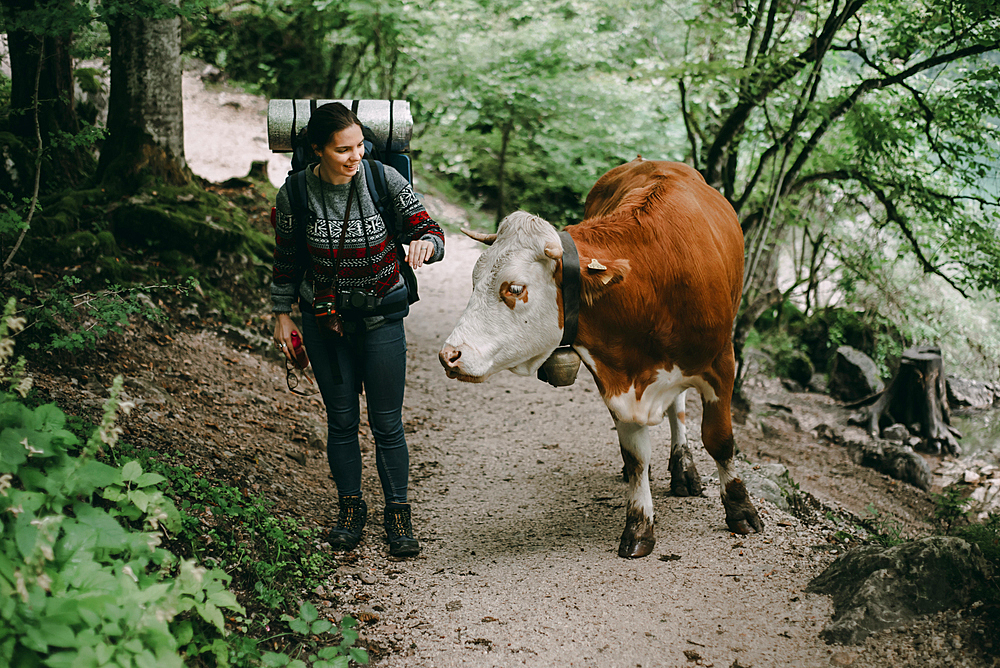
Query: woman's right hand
{"points": [[283, 328]]}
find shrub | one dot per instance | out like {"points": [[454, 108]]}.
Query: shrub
{"points": [[82, 579], [823, 332]]}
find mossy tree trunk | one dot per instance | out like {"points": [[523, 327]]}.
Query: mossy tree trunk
{"points": [[37, 40], [145, 108]]}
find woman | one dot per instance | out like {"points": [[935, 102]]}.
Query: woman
{"points": [[344, 270]]}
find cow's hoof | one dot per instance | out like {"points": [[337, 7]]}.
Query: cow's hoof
{"points": [[743, 527], [741, 516], [635, 547], [684, 478], [638, 538]]}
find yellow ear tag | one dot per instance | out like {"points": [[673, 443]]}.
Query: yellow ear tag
{"points": [[595, 265]]}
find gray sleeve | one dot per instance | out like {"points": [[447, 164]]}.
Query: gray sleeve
{"points": [[438, 253]]}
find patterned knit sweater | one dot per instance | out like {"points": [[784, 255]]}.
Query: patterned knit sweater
{"points": [[368, 260]]}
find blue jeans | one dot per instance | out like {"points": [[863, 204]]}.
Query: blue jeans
{"points": [[376, 359]]}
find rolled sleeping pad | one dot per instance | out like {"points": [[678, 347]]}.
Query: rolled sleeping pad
{"points": [[389, 120]]}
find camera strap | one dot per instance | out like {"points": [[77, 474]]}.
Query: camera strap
{"points": [[343, 228]]}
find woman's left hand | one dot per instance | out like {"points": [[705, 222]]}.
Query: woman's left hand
{"points": [[420, 251]]}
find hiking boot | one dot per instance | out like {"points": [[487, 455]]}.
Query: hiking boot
{"points": [[350, 522], [399, 530]]}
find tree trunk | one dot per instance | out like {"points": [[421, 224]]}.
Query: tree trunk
{"points": [[745, 321], [917, 395], [145, 112], [56, 114]]}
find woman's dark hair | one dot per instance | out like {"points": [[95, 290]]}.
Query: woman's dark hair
{"points": [[327, 119]]}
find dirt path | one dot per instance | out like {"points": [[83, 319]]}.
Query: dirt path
{"points": [[519, 503], [517, 495]]}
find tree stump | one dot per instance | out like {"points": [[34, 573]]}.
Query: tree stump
{"points": [[918, 395], [258, 170]]}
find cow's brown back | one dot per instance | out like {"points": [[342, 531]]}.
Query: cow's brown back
{"points": [[607, 193], [685, 249]]}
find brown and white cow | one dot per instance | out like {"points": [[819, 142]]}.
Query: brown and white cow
{"points": [[661, 258]]}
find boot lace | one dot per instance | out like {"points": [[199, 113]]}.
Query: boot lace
{"points": [[398, 524], [352, 517]]}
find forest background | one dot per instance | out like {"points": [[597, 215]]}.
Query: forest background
{"points": [[857, 140]]}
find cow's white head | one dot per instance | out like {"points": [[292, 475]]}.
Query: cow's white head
{"points": [[514, 317], [512, 320]]}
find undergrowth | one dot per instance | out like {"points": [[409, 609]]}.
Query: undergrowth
{"points": [[270, 557], [952, 517], [111, 557]]}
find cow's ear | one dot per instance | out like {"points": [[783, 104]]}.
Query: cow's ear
{"points": [[599, 275]]}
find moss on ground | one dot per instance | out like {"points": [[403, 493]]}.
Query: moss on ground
{"points": [[160, 235]]}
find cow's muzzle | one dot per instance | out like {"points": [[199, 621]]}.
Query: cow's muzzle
{"points": [[450, 359]]}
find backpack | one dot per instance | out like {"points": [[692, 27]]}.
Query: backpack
{"points": [[377, 154], [376, 147]]}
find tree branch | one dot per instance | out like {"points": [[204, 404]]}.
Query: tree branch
{"points": [[752, 38], [798, 118], [688, 123], [893, 215], [877, 84], [767, 82]]}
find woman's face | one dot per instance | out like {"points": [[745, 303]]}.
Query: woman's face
{"points": [[340, 158]]}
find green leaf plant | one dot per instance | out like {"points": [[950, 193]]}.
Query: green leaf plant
{"points": [[83, 581], [330, 653]]}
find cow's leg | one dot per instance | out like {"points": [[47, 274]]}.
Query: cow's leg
{"points": [[684, 478], [637, 539], [717, 434]]}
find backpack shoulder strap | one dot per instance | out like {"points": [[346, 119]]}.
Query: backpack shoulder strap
{"points": [[298, 195], [298, 200], [379, 191]]}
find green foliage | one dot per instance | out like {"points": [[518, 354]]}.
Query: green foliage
{"points": [[83, 577], [868, 331], [886, 530], [949, 509], [4, 93], [302, 48], [532, 104], [537, 88], [77, 321], [85, 138], [82, 582], [900, 306], [886, 145], [786, 352], [952, 517], [11, 220], [308, 625], [987, 536], [270, 555]]}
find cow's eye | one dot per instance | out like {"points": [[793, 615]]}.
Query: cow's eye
{"points": [[512, 293]]}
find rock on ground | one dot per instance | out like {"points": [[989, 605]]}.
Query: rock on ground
{"points": [[854, 375], [875, 588]]}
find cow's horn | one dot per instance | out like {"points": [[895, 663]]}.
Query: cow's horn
{"points": [[487, 239]]}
